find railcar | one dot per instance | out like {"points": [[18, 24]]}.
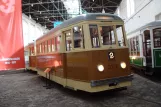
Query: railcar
{"points": [[30, 57], [145, 48], [88, 52]]}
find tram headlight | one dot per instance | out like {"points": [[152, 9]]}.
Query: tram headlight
{"points": [[133, 57], [100, 68], [123, 65]]}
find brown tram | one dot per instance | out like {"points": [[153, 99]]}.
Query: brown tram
{"points": [[88, 52]]}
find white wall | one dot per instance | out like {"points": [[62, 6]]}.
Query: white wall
{"points": [[145, 12], [31, 30]]}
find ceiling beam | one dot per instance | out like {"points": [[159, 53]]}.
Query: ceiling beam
{"points": [[58, 10], [65, 9], [38, 3]]}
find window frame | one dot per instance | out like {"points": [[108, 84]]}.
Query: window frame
{"points": [[72, 40], [82, 38], [156, 37], [93, 47], [56, 44], [123, 33], [53, 48], [40, 47], [129, 46], [115, 35], [49, 45]]}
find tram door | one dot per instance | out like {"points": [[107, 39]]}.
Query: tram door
{"points": [[147, 48]]}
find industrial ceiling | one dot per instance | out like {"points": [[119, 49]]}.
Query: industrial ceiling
{"points": [[47, 12]]}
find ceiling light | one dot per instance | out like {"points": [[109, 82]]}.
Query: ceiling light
{"points": [[103, 11], [29, 16], [32, 5], [40, 12]]}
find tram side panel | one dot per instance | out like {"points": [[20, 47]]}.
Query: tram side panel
{"points": [[32, 63], [53, 61], [78, 66]]}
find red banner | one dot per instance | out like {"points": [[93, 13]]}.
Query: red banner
{"points": [[11, 39]]}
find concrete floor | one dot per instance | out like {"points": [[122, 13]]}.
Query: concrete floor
{"points": [[26, 89]]}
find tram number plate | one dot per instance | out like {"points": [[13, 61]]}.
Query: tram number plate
{"points": [[111, 55], [112, 66]]}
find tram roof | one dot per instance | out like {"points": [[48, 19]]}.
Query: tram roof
{"points": [[85, 17], [151, 24]]}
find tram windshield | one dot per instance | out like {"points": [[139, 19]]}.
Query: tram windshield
{"points": [[120, 35], [107, 35], [94, 36], [157, 37]]}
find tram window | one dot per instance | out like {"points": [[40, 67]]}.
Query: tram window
{"points": [[49, 48], [131, 44], [134, 45], [68, 41], [40, 46], [157, 37], [94, 36], [43, 47], [137, 46], [147, 43], [107, 35], [37, 48], [53, 45], [120, 35], [78, 37], [46, 46], [32, 50], [57, 42]]}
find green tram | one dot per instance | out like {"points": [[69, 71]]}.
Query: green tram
{"points": [[145, 48]]}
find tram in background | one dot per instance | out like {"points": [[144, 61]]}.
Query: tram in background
{"points": [[88, 52], [145, 48], [30, 57]]}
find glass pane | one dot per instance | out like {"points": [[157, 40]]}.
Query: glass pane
{"points": [[40, 47], [107, 35], [68, 41], [157, 37], [147, 43], [46, 46], [137, 46], [129, 46], [120, 36], [53, 45], [49, 48], [78, 37], [58, 42], [94, 36]]}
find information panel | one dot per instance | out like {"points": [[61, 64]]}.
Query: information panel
{"points": [[11, 39]]}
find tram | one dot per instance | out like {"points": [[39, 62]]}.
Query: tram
{"points": [[88, 52], [145, 48], [30, 57]]}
